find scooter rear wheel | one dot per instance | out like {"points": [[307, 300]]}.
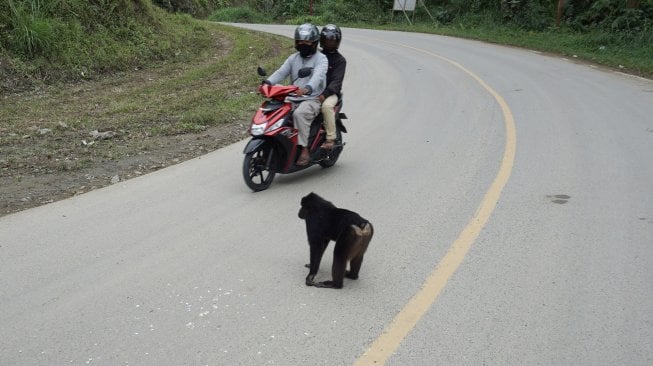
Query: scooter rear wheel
{"points": [[333, 155], [259, 168]]}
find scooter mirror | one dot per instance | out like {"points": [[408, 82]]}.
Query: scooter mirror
{"points": [[305, 72], [261, 71]]}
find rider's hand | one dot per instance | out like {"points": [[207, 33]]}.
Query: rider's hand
{"points": [[301, 92], [264, 82], [322, 98]]}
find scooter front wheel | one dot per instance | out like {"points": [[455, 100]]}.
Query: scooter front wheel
{"points": [[259, 168]]}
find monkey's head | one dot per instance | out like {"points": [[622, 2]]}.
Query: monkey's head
{"points": [[305, 205], [311, 203]]}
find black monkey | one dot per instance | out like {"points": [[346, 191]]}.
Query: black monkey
{"points": [[351, 232]]}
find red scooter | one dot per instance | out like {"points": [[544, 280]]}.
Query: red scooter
{"points": [[273, 147]]}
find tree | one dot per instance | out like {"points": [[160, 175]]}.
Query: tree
{"points": [[633, 4]]}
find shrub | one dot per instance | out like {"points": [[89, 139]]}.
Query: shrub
{"points": [[528, 15], [242, 14], [30, 30]]}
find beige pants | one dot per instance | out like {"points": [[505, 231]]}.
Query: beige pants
{"points": [[329, 115]]}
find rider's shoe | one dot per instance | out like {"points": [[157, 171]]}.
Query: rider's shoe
{"points": [[304, 158], [328, 145]]}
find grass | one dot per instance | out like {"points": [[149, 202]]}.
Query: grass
{"points": [[56, 40], [241, 14], [633, 55], [147, 107], [170, 98]]}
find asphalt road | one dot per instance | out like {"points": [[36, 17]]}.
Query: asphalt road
{"points": [[528, 179]]}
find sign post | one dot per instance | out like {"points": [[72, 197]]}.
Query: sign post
{"points": [[403, 6], [409, 5]]}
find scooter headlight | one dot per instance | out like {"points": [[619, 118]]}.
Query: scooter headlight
{"points": [[257, 130]]}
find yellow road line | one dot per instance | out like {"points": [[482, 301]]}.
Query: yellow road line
{"points": [[388, 342]]}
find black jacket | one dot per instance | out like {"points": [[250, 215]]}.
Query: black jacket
{"points": [[335, 74]]}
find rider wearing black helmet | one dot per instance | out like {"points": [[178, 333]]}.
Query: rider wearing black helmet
{"points": [[306, 37], [330, 38], [310, 87]]}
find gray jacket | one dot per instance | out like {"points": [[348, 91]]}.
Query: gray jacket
{"points": [[315, 83]]}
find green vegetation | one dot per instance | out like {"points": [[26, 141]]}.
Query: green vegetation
{"points": [[55, 40], [170, 99], [617, 33], [241, 14]]}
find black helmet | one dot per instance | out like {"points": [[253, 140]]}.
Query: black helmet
{"points": [[330, 32], [307, 32]]}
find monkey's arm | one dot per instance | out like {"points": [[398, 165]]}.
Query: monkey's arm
{"points": [[317, 248]]}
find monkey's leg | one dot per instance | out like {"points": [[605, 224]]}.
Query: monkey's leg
{"points": [[347, 246], [337, 273], [357, 261], [355, 267], [364, 237]]}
